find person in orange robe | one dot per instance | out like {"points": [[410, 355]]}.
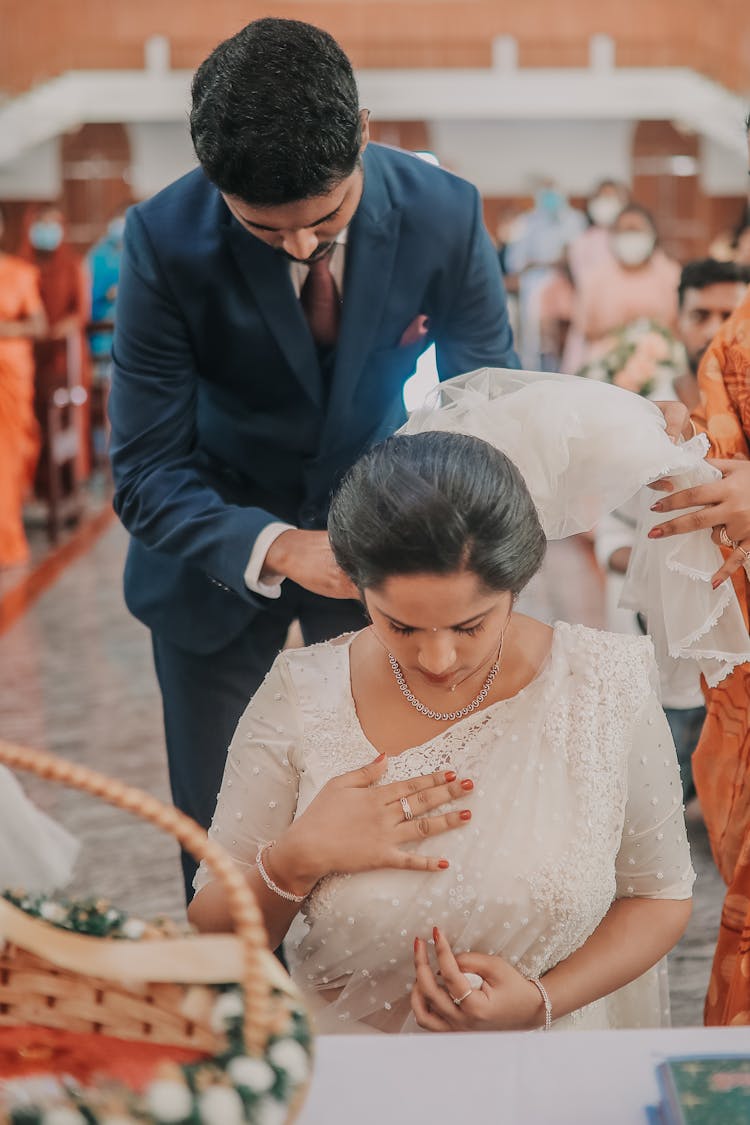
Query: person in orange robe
{"points": [[21, 319], [62, 356], [721, 762]]}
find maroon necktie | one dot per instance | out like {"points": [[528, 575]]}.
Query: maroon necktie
{"points": [[321, 303]]}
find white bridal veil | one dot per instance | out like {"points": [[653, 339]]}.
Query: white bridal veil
{"points": [[584, 448]]}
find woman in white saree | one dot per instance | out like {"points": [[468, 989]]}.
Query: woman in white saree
{"points": [[458, 788]]}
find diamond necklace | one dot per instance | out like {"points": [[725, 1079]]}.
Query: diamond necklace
{"points": [[443, 716]]}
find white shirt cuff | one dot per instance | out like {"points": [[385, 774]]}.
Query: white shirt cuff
{"points": [[268, 535]]}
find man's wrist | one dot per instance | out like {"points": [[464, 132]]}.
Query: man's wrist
{"points": [[276, 561]]}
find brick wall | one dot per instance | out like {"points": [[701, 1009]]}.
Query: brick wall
{"points": [[44, 38]]}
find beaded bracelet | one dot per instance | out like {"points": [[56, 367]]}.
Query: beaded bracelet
{"points": [[287, 895], [547, 1002]]}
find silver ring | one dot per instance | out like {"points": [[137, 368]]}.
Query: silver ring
{"points": [[408, 814], [725, 540], [458, 1000]]}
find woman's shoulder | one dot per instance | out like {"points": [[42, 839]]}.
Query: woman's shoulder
{"points": [[612, 659], [327, 661]]}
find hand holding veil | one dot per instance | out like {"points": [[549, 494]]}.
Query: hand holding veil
{"points": [[584, 448]]}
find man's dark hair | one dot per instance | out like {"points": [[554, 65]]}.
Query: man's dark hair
{"points": [[436, 503], [708, 271], [275, 115]]}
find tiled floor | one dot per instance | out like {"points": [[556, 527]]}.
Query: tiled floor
{"points": [[76, 678]]}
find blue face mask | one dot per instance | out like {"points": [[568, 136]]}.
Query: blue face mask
{"points": [[548, 199], [46, 236]]}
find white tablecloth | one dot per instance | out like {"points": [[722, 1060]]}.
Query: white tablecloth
{"points": [[560, 1078]]}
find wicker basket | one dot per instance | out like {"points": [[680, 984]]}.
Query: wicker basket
{"points": [[159, 989]]}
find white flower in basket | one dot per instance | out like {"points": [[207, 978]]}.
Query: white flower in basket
{"points": [[289, 1056], [169, 1101], [253, 1074], [221, 1105], [226, 1010]]}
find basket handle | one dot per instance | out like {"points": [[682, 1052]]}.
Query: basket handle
{"points": [[248, 921]]}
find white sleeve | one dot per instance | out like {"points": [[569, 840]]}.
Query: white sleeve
{"points": [[256, 562], [258, 796], [654, 856]]}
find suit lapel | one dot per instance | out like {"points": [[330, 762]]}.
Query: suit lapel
{"points": [[370, 254], [267, 274]]}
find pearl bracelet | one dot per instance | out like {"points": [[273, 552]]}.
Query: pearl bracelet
{"points": [[547, 1002], [287, 895]]}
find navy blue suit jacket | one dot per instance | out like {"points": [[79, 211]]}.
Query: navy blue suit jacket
{"points": [[220, 423]]}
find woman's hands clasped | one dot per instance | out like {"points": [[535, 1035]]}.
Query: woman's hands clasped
{"points": [[506, 1001], [355, 825]]}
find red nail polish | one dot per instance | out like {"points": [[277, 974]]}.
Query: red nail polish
{"points": [[435, 934], [467, 785], [443, 864], [450, 776], [715, 583], [655, 533], [656, 507], [465, 814], [379, 758], [416, 945]]}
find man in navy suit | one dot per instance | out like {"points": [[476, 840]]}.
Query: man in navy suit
{"points": [[271, 306]]}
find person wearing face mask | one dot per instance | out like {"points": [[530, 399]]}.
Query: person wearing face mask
{"points": [[61, 356], [538, 249], [592, 247], [638, 281], [586, 253]]}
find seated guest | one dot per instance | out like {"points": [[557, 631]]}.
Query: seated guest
{"points": [[457, 773], [639, 281]]}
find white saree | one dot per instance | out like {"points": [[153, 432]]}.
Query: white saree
{"points": [[577, 801]]}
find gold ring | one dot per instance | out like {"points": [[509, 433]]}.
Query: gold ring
{"points": [[458, 1000]]}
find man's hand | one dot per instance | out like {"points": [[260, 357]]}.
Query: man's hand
{"points": [[306, 557]]}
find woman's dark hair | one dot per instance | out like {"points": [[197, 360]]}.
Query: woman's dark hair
{"points": [[436, 503], [275, 115]]}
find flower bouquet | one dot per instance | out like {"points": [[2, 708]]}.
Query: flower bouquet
{"points": [[643, 357]]}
